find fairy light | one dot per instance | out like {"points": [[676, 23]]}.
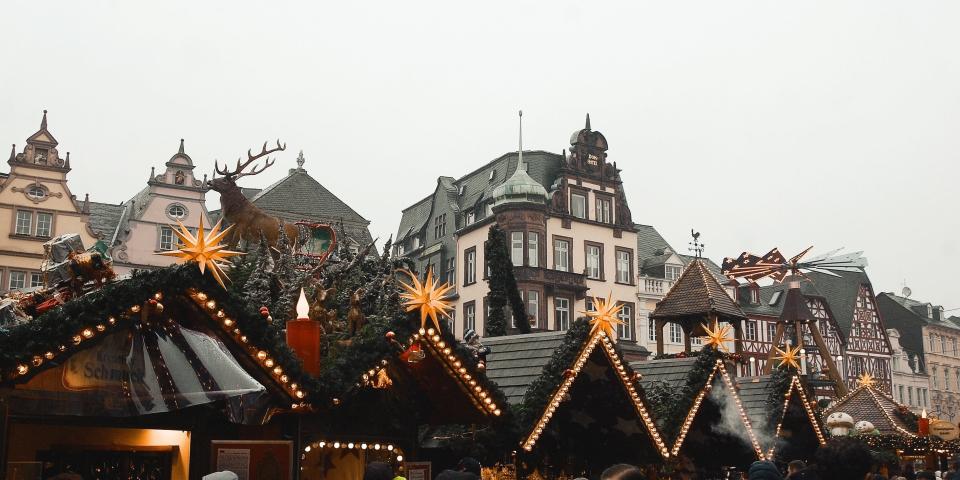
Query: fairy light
{"points": [[599, 337]]}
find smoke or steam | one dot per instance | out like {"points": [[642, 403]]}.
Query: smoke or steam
{"points": [[730, 422]]}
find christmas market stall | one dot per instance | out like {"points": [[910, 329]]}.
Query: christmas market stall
{"points": [[139, 377], [579, 406], [783, 414]]}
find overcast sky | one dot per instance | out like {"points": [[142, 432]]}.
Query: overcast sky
{"points": [[760, 124]]}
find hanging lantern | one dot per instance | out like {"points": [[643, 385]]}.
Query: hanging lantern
{"points": [[303, 337]]}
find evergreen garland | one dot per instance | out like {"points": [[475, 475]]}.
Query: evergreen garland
{"points": [[670, 404], [259, 285], [503, 286]]}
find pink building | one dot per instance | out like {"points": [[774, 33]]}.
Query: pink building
{"points": [[140, 227]]}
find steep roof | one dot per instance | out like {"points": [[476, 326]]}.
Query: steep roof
{"points": [[544, 167], [755, 394], [697, 294], [906, 321], [840, 292], [515, 361], [649, 242], [104, 218], [298, 196], [874, 406]]}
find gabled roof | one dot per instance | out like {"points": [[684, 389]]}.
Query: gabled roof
{"points": [[515, 361], [695, 295], [905, 321], [840, 292], [755, 394], [649, 242], [298, 196], [874, 406], [104, 218]]}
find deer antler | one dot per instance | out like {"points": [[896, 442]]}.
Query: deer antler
{"points": [[238, 171]]}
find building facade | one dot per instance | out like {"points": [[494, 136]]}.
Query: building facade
{"points": [[36, 205], [911, 384], [568, 227], [138, 229]]}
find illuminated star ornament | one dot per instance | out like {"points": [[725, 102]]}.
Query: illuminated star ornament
{"points": [[427, 296], [204, 249], [718, 336], [866, 380], [789, 356], [604, 316]]}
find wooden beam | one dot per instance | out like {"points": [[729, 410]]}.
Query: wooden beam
{"points": [[659, 323], [840, 387], [777, 339]]}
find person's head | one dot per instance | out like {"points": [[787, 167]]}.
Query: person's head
{"points": [[762, 470], [805, 474], [622, 471], [926, 475], [795, 466], [843, 459], [468, 464], [378, 471]]}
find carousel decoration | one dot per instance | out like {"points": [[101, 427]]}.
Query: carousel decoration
{"points": [[796, 313], [204, 249]]}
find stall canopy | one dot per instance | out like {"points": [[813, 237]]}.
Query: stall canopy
{"points": [[781, 414], [868, 403]]}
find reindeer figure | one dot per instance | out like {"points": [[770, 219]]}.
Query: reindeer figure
{"points": [[247, 219]]}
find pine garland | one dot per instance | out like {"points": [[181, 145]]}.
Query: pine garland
{"points": [[670, 404]]}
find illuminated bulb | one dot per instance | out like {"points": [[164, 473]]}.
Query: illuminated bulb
{"points": [[423, 332], [101, 327], [37, 360], [293, 386], [76, 341], [336, 444], [376, 446], [268, 362], [63, 348], [350, 445], [363, 446], [307, 448], [262, 355], [202, 296], [399, 458], [221, 314], [431, 331], [300, 394], [436, 338], [112, 321], [211, 304], [277, 370], [390, 447], [22, 369], [323, 444], [158, 296], [87, 333], [442, 344], [284, 378], [227, 322], [446, 351], [48, 355], [243, 338]]}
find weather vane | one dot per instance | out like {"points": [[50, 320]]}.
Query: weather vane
{"points": [[695, 246]]}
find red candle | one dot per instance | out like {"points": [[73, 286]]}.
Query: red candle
{"points": [[923, 424], [303, 337]]}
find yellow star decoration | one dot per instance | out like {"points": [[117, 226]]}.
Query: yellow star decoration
{"points": [[205, 249], [789, 356], [866, 380], [718, 336], [604, 316], [429, 297]]}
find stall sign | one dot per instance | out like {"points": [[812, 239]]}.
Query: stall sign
{"points": [[944, 429], [417, 470]]}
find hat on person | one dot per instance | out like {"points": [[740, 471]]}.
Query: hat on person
{"points": [[764, 471], [224, 475]]}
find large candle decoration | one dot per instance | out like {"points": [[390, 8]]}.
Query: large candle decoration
{"points": [[803, 361], [923, 424], [303, 337]]}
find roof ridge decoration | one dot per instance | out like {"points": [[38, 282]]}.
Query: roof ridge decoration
{"points": [[796, 385], [698, 400], [596, 338]]}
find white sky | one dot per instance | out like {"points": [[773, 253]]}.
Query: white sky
{"points": [[758, 123]]}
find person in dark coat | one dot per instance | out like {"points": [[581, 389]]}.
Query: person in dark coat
{"points": [[378, 471], [763, 470], [843, 459]]}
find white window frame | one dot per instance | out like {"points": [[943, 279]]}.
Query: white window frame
{"points": [[36, 279], [516, 248], [182, 208], [561, 254], [672, 272], [625, 331], [470, 317], [623, 266], [48, 224], [651, 329], [470, 276], [533, 249], [574, 202], [533, 308], [751, 331], [604, 213], [33, 189], [21, 228], [676, 333], [22, 283], [160, 241], [561, 308], [593, 262]]}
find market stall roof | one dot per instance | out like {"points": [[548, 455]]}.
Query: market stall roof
{"points": [[696, 295], [516, 361], [768, 404], [868, 403]]}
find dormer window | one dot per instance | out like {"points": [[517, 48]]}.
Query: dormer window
{"points": [[754, 295], [36, 192], [177, 211], [672, 272]]}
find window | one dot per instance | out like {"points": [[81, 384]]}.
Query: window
{"points": [[672, 272], [452, 271], [440, 226], [651, 329], [588, 304], [625, 331], [36, 279], [561, 308], [624, 266], [17, 280], [533, 308], [533, 249], [603, 210], [925, 403], [771, 331], [36, 192], [946, 378], [470, 266], [752, 331], [471, 217], [594, 262], [469, 316], [578, 205], [24, 222], [561, 255], [516, 248], [176, 211], [400, 250], [755, 295], [44, 224], [909, 394], [935, 379], [676, 335], [452, 322], [943, 345], [166, 238], [932, 342], [954, 341], [900, 389]]}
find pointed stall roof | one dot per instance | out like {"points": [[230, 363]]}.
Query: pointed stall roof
{"points": [[696, 295], [868, 403], [756, 394]]}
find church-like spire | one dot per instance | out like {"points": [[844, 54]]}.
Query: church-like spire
{"points": [[181, 147], [43, 123], [587, 127], [520, 151]]}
